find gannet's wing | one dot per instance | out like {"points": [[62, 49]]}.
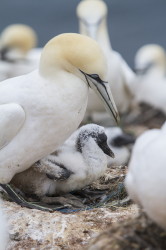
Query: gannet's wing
{"points": [[12, 117]]}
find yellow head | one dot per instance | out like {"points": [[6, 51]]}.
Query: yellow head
{"points": [[17, 39], [73, 52], [91, 10], [92, 17], [150, 57], [82, 57]]}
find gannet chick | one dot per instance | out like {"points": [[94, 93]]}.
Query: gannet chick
{"points": [[150, 84], [146, 178], [119, 142], [80, 161], [17, 44], [40, 110], [4, 235], [92, 16]]}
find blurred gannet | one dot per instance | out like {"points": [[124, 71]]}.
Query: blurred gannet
{"points": [[92, 16], [77, 163], [150, 58], [17, 50], [146, 178], [4, 235], [40, 110], [119, 141], [150, 83]]}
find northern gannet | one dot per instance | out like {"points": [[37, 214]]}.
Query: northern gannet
{"points": [[119, 142], [77, 163], [92, 16], [4, 235], [150, 58], [150, 83], [17, 50], [146, 178], [40, 110]]}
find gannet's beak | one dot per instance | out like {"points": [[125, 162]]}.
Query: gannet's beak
{"points": [[143, 69], [123, 140], [106, 149], [92, 28], [103, 90]]}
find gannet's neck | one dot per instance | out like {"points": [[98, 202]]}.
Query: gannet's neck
{"points": [[102, 36]]}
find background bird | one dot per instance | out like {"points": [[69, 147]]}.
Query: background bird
{"points": [[18, 54], [92, 16], [146, 179], [121, 143], [150, 83]]}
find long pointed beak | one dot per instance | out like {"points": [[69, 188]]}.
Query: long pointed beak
{"points": [[103, 90]]}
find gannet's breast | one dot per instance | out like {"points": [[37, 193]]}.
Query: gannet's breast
{"points": [[52, 113]]}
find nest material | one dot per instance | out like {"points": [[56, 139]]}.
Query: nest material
{"points": [[108, 191], [136, 234]]}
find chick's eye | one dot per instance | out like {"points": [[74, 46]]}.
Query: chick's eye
{"points": [[102, 138]]}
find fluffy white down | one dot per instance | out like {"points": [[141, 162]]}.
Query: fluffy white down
{"points": [[146, 178], [3, 230], [86, 166]]}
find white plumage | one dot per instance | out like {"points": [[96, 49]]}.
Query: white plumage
{"points": [[150, 84], [146, 178], [17, 53], [40, 110], [92, 22], [80, 161]]}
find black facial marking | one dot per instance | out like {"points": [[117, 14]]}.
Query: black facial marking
{"points": [[102, 143], [92, 24], [144, 70], [122, 140], [3, 53]]}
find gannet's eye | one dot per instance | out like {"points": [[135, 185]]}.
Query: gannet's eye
{"points": [[96, 77]]}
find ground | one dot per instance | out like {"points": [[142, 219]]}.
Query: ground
{"points": [[33, 229]]}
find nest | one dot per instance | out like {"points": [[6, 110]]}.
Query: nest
{"points": [[108, 191], [136, 234]]}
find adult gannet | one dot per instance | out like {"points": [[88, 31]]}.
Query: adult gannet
{"points": [[4, 235], [40, 110], [119, 142], [150, 83], [146, 178], [92, 16], [17, 42], [150, 58], [77, 163]]}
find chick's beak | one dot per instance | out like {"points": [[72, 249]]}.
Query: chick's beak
{"points": [[107, 150]]}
